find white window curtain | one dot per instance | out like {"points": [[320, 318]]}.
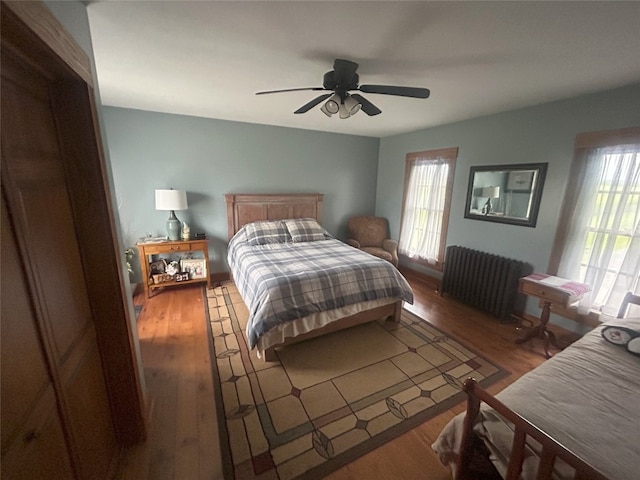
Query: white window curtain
{"points": [[603, 243], [423, 210]]}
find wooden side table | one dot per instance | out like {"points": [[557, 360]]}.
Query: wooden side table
{"points": [[146, 249], [551, 291]]}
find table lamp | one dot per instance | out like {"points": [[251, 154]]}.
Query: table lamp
{"points": [[172, 200], [489, 192]]}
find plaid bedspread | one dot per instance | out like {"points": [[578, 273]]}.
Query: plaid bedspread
{"points": [[284, 281]]}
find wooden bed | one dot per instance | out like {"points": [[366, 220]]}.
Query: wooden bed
{"points": [[551, 448], [576, 416], [246, 208]]}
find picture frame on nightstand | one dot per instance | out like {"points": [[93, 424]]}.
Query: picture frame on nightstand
{"points": [[157, 267], [196, 267]]}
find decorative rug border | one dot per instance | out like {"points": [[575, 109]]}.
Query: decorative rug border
{"points": [[225, 447]]}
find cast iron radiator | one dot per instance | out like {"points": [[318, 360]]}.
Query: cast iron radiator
{"points": [[482, 280]]}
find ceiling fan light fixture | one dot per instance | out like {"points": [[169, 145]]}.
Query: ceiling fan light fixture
{"points": [[324, 110], [352, 105], [344, 111], [333, 104]]}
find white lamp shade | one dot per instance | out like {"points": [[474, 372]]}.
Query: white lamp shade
{"points": [[344, 111], [333, 104], [171, 200], [490, 192], [352, 105], [324, 110]]}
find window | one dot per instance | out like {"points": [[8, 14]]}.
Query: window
{"points": [[598, 239], [425, 206]]}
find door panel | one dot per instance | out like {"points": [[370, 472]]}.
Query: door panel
{"points": [[39, 450], [94, 441], [23, 371], [33, 443]]}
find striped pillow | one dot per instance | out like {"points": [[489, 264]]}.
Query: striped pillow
{"points": [[305, 230], [264, 232]]}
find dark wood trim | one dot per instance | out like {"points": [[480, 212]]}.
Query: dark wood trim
{"points": [[95, 228], [46, 38], [446, 212], [577, 174], [608, 138], [449, 152]]}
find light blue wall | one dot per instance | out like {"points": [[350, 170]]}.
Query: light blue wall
{"points": [[209, 158], [543, 133]]}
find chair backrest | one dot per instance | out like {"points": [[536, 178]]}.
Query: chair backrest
{"points": [[369, 231], [628, 299]]}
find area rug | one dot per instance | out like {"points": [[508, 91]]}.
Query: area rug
{"points": [[331, 399]]}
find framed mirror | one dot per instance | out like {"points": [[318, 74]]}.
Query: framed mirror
{"points": [[506, 193]]}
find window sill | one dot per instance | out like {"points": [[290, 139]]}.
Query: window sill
{"points": [[424, 263]]}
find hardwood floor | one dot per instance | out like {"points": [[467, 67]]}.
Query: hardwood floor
{"points": [[183, 437], [182, 441]]}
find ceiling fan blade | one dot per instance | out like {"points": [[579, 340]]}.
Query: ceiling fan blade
{"points": [[290, 90], [308, 106], [367, 107], [399, 91]]}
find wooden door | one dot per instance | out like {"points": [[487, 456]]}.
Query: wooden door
{"points": [[35, 184], [33, 443]]}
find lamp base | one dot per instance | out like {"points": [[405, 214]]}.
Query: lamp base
{"points": [[173, 227], [487, 207]]}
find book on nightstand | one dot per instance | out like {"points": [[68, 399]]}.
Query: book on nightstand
{"points": [[153, 239]]}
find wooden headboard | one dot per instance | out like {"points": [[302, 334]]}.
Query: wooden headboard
{"points": [[243, 208]]}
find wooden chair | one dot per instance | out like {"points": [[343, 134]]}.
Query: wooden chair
{"points": [[628, 299]]}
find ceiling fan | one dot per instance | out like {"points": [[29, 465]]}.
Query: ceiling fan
{"points": [[341, 80]]}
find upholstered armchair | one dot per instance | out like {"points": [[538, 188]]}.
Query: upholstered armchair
{"points": [[371, 235]]}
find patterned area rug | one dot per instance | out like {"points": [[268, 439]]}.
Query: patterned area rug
{"points": [[331, 399]]}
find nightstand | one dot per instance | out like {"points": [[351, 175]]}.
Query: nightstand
{"points": [[146, 249], [551, 291]]}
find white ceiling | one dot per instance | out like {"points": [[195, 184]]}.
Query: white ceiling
{"points": [[208, 58]]}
